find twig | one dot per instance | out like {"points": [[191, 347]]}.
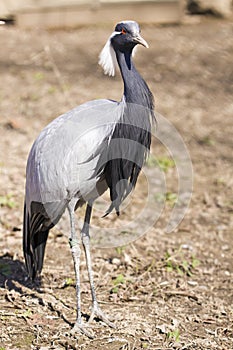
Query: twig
{"points": [[181, 293]]}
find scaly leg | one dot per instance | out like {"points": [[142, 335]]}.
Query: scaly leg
{"points": [[96, 310], [76, 252]]}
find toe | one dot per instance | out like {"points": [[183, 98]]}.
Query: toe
{"points": [[96, 311], [79, 328]]}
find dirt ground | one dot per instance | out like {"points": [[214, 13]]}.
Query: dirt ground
{"points": [[164, 290]]}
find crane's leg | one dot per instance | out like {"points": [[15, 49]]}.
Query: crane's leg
{"points": [[76, 252], [96, 310]]}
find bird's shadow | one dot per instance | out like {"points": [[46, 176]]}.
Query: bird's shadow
{"points": [[13, 277]]}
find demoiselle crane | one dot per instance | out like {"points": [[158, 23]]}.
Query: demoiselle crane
{"points": [[99, 145]]}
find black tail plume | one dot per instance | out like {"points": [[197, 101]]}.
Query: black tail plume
{"points": [[35, 236]]}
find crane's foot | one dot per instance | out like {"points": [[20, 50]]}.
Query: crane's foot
{"points": [[80, 328], [97, 312]]}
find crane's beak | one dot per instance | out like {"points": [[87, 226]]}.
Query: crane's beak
{"points": [[139, 40]]}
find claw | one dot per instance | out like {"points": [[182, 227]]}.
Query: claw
{"points": [[96, 311], [81, 329]]}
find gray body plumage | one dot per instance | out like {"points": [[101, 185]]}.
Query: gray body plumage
{"points": [[63, 160], [62, 165]]}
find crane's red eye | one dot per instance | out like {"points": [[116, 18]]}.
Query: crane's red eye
{"points": [[123, 31]]}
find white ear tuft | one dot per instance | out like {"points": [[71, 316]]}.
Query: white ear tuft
{"points": [[134, 50], [107, 57]]}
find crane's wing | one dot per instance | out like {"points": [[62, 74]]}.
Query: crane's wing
{"points": [[62, 161]]}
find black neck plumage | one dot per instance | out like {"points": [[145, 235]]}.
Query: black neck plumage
{"points": [[135, 88], [131, 138]]}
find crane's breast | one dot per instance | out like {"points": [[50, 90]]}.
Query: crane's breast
{"points": [[128, 149]]}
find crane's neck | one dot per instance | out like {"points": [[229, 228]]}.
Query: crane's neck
{"points": [[135, 88]]}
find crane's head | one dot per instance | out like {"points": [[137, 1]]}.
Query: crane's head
{"points": [[124, 38]]}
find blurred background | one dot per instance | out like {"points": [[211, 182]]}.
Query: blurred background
{"points": [[71, 13], [175, 289]]}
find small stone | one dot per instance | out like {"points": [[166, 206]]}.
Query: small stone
{"points": [[116, 261]]}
